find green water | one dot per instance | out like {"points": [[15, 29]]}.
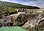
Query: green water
{"points": [[16, 28]]}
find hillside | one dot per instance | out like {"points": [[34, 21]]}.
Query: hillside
{"points": [[15, 5]]}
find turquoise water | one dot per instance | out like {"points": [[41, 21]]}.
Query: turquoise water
{"points": [[16, 28]]}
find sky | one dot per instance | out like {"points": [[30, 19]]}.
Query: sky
{"points": [[38, 3]]}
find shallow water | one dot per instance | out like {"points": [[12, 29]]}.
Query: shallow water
{"points": [[16, 28]]}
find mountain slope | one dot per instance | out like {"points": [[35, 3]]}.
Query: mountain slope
{"points": [[15, 5]]}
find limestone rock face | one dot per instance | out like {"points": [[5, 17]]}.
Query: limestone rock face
{"points": [[15, 18], [11, 19], [36, 24], [25, 19]]}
